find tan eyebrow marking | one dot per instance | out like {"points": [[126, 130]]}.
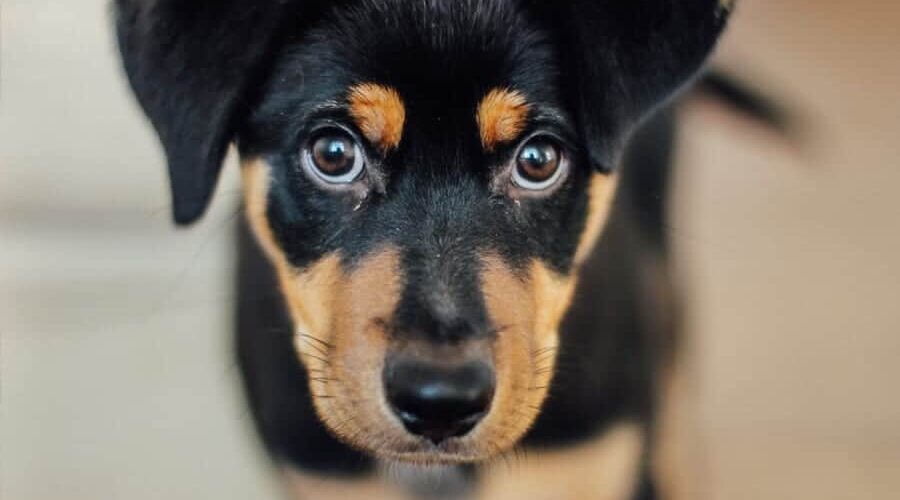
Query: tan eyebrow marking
{"points": [[501, 116], [379, 113]]}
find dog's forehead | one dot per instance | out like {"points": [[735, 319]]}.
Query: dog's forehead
{"points": [[440, 56]]}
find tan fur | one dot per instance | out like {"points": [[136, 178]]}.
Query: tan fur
{"points": [[365, 301], [501, 117], [552, 296], [519, 390], [379, 113], [601, 192], [527, 311], [604, 469], [337, 318]]}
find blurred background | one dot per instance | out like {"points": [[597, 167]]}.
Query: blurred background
{"points": [[117, 379]]}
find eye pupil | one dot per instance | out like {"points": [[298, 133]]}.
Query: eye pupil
{"points": [[333, 155]]}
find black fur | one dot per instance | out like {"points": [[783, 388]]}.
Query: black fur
{"points": [[266, 74]]}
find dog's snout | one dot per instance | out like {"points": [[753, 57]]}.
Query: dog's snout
{"points": [[436, 401]]}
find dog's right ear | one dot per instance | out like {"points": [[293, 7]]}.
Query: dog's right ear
{"points": [[192, 64]]}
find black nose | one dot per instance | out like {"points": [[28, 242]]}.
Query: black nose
{"points": [[438, 402]]}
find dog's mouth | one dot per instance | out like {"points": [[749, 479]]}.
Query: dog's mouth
{"points": [[430, 480], [422, 406], [381, 436], [415, 412], [426, 452], [483, 443], [459, 428]]}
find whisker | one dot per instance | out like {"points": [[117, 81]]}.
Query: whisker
{"points": [[538, 352], [499, 329], [316, 339], [318, 348], [313, 356], [543, 357]]}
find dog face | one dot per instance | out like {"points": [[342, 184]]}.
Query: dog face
{"points": [[425, 178], [421, 192]]}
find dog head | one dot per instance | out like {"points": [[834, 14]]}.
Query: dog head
{"points": [[425, 177]]}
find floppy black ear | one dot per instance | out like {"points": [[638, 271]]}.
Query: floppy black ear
{"points": [[191, 64], [625, 57]]}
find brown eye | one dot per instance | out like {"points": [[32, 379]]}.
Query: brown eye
{"points": [[334, 157], [538, 164]]}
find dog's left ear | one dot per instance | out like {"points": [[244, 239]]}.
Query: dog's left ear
{"points": [[626, 57], [192, 64]]}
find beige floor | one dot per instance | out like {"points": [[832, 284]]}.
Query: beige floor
{"points": [[117, 380]]}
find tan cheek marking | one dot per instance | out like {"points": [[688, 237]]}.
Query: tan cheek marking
{"points": [[601, 193], [365, 305], [605, 469], [309, 294], [379, 113], [501, 117], [372, 289], [255, 177], [553, 294], [511, 307], [528, 311], [365, 302]]}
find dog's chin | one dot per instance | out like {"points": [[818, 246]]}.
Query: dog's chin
{"points": [[432, 455], [429, 481], [424, 453]]}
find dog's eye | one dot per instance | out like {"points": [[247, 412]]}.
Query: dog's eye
{"points": [[334, 157], [538, 165]]}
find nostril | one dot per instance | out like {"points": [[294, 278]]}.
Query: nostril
{"points": [[440, 399], [439, 402]]}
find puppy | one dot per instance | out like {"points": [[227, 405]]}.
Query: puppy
{"points": [[438, 278]]}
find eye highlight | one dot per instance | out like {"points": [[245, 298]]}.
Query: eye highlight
{"points": [[334, 157], [539, 163]]}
